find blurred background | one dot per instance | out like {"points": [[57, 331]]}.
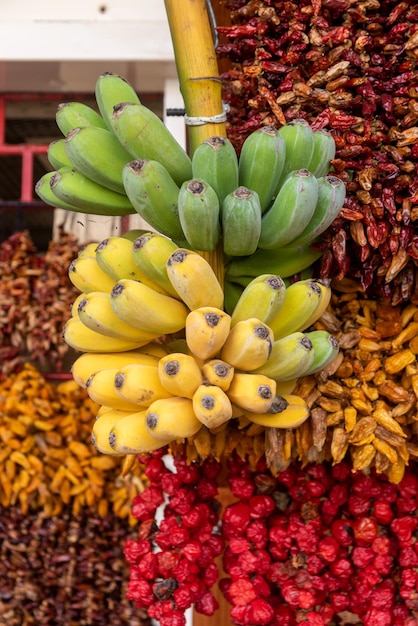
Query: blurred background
{"points": [[52, 52]]}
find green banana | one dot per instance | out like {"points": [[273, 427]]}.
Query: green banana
{"points": [[57, 155], [112, 89], [323, 153], [331, 196], [325, 347], [46, 194], [79, 191], [216, 162], [198, 208], [291, 210], [134, 233], [290, 358], [241, 222], [98, 154], [282, 261], [71, 115], [145, 136], [154, 194], [150, 252], [261, 298], [261, 163], [232, 293], [299, 139]]}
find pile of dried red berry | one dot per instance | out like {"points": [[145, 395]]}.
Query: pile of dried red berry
{"points": [[321, 545], [172, 563], [315, 545]]}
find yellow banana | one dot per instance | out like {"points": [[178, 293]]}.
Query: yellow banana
{"points": [[248, 345], [207, 329], [172, 418], [102, 427], [89, 363], [287, 411], [96, 312], [156, 349], [74, 306], [301, 301], [150, 252], [139, 384], [326, 293], [89, 249], [261, 298], [253, 392], [86, 275], [83, 339], [101, 389], [141, 306], [180, 374], [115, 257], [290, 357], [194, 279], [284, 387], [211, 405], [130, 435], [218, 372], [104, 409]]}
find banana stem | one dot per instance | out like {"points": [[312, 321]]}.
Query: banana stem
{"points": [[199, 80], [197, 66]]}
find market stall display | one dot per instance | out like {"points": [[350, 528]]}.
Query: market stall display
{"points": [[262, 337]]}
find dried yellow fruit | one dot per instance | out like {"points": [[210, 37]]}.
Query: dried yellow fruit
{"points": [[363, 456], [386, 449], [398, 361]]}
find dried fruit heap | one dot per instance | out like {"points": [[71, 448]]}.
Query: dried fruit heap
{"points": [[314, 545], [35, 298], [350, 68]]}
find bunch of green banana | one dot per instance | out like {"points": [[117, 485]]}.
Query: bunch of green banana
{"points": [[122, 159], [97, 145]]}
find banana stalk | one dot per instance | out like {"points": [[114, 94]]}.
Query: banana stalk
{"points": [[199, 80]]}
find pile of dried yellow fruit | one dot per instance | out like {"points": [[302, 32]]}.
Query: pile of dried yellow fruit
{"points": [[47, 461]]}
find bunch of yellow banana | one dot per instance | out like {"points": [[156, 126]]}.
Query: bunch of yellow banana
{"points": [[168, 348], [162, 356]]}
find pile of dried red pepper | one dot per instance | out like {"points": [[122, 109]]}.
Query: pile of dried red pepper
{"points": [[351, 68], [35, 299], [314, 545]]}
